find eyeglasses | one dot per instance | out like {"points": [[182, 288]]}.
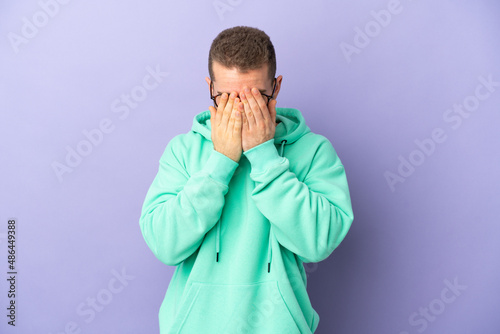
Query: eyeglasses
{"points": [[216, 98]]}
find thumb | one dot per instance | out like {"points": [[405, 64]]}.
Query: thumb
{"points": [[272, 110], [212, 114]]}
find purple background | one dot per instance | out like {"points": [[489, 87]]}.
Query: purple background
{"points": [[440, 225]]}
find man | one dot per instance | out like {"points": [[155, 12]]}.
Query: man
{"points": [[242, 201]]}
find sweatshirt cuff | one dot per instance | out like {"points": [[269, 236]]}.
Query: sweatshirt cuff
{"points": [[263, 156], [220, 168]]}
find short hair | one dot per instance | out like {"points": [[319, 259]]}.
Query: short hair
{"points": [[243, 48]]}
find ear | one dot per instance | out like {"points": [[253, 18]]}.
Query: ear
{"points": [[207, 79], [279, 79]]}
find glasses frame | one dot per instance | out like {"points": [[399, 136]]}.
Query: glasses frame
{"points": [[269, 97]]}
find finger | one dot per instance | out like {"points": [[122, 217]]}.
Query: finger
{"points": [[253, 109], [254, 106], [248, 118], [244, 119], [232, 118], [213, 114], [220, 108], [228, 109], [264, 112], [237, 121], [235, 106], [240, 107], [230, 123]]}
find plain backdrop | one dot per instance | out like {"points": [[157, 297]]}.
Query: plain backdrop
{"points": [[408, 93]]}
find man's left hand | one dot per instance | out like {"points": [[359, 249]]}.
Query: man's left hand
{"points": [[259, 121]]}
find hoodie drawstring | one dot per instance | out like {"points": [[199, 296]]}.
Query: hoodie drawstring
{"points": [[270, 249], [217, 241]]}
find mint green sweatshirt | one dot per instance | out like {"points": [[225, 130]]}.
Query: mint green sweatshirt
{"points": [[239, 232]]}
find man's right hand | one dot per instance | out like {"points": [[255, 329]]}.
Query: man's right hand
{"points": [[226, 126]]}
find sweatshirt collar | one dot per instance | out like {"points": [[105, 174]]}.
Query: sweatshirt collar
{"points": [[291, 125]]}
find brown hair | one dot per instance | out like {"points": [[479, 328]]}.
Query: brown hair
{"points": [[244, 48]]}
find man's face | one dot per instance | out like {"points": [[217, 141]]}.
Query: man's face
{"points": [[229, 80]]}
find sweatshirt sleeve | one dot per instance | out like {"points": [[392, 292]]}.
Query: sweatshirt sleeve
{"points": [[309, 218], [179, 209]]}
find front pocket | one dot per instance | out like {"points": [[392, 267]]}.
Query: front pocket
{"points": [[234, 309]]}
